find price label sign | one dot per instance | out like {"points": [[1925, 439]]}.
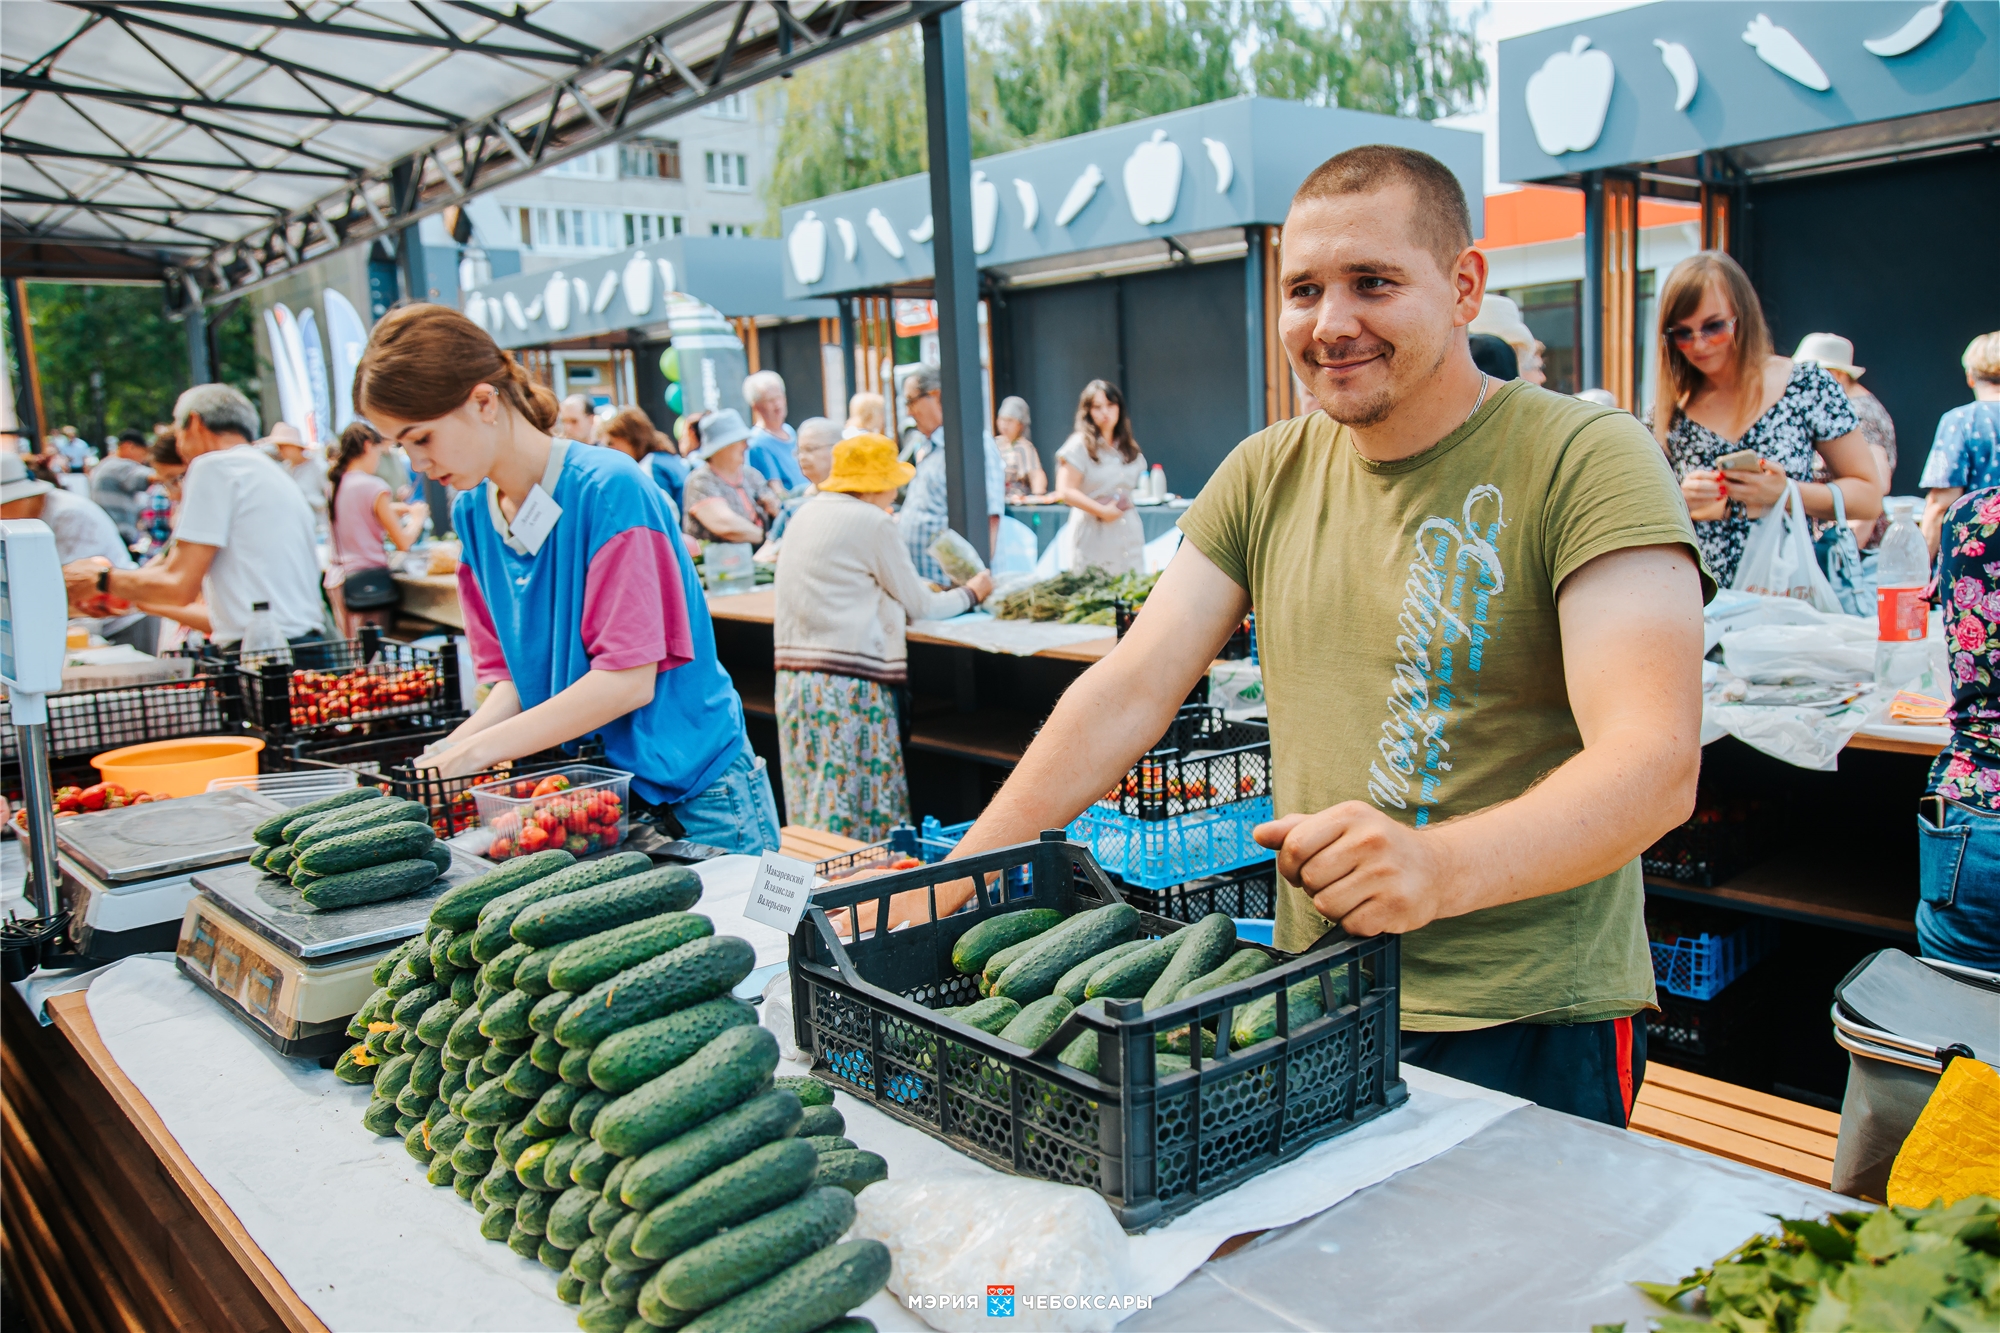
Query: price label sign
{"points": [[779, 894]]}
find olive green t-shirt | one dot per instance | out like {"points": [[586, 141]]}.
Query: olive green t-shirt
{"points": [[1412, 656]]}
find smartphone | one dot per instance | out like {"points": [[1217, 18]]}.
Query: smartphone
{"points": [[1743, 460], [1930, 807]]}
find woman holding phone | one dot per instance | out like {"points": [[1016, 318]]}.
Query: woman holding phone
{"points": [[1738, 422], [581, 608]]}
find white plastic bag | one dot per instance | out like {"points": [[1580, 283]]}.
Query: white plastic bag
{"points": [[1829, 653], [952, 1235], [1778, 556]]}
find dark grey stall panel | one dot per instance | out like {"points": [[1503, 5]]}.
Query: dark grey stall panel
{"points": [[1172, 340], [1901, 260], [1185, 375], [793, 351], [651, 383]]}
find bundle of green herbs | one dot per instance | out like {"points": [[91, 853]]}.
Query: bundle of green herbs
{"points": [[1929, 1270], [1086, 597]]}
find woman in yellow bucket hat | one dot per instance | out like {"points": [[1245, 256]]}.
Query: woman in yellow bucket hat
{"points": [[846, 591]]}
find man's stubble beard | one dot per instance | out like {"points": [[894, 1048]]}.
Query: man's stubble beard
{"points": [[1378, 408]]}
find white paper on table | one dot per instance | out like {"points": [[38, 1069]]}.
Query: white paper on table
{"points": [[346, 1216], [1440, 1114], [1017, 638]]}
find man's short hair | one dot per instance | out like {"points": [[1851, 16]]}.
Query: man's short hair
{"points": [[817, 432], [925, 378], [133, 438], [1982, 358], [222, 409], [581, 401], [758, 387], [1443, 222]]}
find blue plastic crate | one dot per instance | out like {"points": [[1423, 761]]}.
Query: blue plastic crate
{"points": [[1161, 853], [1700, 966]]}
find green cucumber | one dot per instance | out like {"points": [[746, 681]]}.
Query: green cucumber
{"points": [[497, 1060], [679, 1162], [555, 1167], [1239, 966], [1164, 1064], [369, 847], [613, 1181], [369, 815], [998, 964], [405, 1123], [1175, 1041], [1038, 1022], [356, 1065], [552, 1256], [435, 1022], [511, 1142], [440, 1172], [621, 1287], [1070, 985], [547, 1009], [427, 1073], [821, 1120], [618, 1244], [583, 1114], [690, 974], [497, 916], [1035, 973], [270, 832], [492, 1104], [501, 1184], [256, 858], [729, 1070], [1081, 1054], [546, 1054], [587, 1261], [464, 988], [438, 855], [465, 1185], [472, 1160], [464, 1038], [988, 1015], [497, 973], [1128, 978], [1258, 1020], [853, 1171], [369, 884], [811, 1092], [718, 1268], [526, 1081], [380, 1117], [810, 1294], [279, 859], [458, 909], [583, 963], [591, 1166], [532, 973], [569, 1287], [460, 952], [575, 1065], [480, 1136], [394, 1075], [624, 1060], [605, 1216], [528, 1166], [1209, 941], [507, 1017], [555, 1103], [523, 1242], [767, 1178], [413, 1142], [497, 1222], [990, 936], [531, 1214], [447, 1134], [357, 1026], [573, 916], [600, 1316], [826, 1143], [411, 1006]]}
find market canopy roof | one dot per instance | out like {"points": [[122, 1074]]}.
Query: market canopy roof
{"points": [[237, 139], [1762, 89], [1166, 184]]}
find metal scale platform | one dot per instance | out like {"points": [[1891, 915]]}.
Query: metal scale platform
{"points": [[295, 974], [127, 873]]}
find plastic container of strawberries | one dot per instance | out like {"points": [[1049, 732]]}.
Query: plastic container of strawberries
{"points": [[578, 808]]}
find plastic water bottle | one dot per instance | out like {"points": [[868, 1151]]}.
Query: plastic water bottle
{"points": [[263, 637], [1902, 617]]}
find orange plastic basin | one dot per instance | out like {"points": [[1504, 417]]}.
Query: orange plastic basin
{"points": [[179, 768]]}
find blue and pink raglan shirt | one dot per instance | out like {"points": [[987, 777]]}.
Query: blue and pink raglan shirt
{"points": [[610, 588]]}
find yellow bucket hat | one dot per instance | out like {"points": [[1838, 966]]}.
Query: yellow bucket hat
{"points": [[867, 463]]}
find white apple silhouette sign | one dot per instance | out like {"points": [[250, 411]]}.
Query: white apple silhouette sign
{"points": [[1568, 96], [807, 246], [1153, 179]]}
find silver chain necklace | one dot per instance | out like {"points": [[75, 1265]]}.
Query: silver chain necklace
{"points": [[1485, 382]]}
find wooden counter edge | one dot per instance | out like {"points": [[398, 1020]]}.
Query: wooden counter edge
{"points": [[70, 1015]]}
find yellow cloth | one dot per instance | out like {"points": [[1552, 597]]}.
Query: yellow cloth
{"points": [[1954, 1150]]}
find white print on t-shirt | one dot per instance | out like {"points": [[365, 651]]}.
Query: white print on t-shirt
{"points": [[1413, 744]]}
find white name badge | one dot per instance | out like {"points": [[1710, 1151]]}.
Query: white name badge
{"points": [[779, 894], [535, 519]]}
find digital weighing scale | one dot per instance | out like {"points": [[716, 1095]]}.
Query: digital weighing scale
{"points": [[126, 873], [295, 974]]}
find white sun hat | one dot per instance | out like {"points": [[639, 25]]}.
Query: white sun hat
{"points": [[1829, 350]]}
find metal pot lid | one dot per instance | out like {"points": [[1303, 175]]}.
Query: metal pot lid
{"points": [[1903, 999], [162, 837]]}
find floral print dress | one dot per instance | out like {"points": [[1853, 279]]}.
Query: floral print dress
{"points": [[1968, 588], [1813, 408]]}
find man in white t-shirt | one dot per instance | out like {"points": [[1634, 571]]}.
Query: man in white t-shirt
{"points": [[244, 534]]}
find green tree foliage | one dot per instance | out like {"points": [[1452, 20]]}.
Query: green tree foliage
{"points": [[1043, 71], [110, 359]]}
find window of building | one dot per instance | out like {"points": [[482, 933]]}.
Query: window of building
{"points": [[568, 229], [598, 164], [654, 159], [731, 229], [1553, 312], [728, 171], [736, 106], [643, 227]]}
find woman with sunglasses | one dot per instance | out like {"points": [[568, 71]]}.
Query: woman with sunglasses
{"points": [[1722, 392]]}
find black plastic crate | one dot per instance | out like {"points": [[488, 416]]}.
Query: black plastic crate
{"points": [[1249, 892], [341, 684], [1716, 844], [1154, 1145], [1203, 761], [385, 761], [89, 722]]}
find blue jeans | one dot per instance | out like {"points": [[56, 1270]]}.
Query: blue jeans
{"points": [[736, 812], [1958, 880]]}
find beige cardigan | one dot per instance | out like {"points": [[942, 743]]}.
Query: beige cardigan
{"points": [[847, 589]]}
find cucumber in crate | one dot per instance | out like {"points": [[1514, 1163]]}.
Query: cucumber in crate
{"points": [[1050, 1028]]}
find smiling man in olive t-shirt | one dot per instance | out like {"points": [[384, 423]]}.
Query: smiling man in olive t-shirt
{"points": [[1479, 616]]}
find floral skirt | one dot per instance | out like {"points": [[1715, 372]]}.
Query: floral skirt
{"points": [[841, 755]]}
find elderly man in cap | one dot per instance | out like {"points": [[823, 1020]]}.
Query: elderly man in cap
{"points": [[727, 499]]}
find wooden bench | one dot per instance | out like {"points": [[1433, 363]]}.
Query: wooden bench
{"points": [[1755, 1128]]}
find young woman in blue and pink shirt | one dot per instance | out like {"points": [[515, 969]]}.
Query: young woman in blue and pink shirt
{"points": [[582, 611]]}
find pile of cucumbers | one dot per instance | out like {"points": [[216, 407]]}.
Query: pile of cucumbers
{"points": [[1036, 967], [561, 1048], [360, 846]]}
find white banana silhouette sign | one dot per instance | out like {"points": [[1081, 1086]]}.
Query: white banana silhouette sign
{"points": [[848, 242], [1681, 65], [884, 233], [1031, 203], [1786, 54], [1912, 34]]}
